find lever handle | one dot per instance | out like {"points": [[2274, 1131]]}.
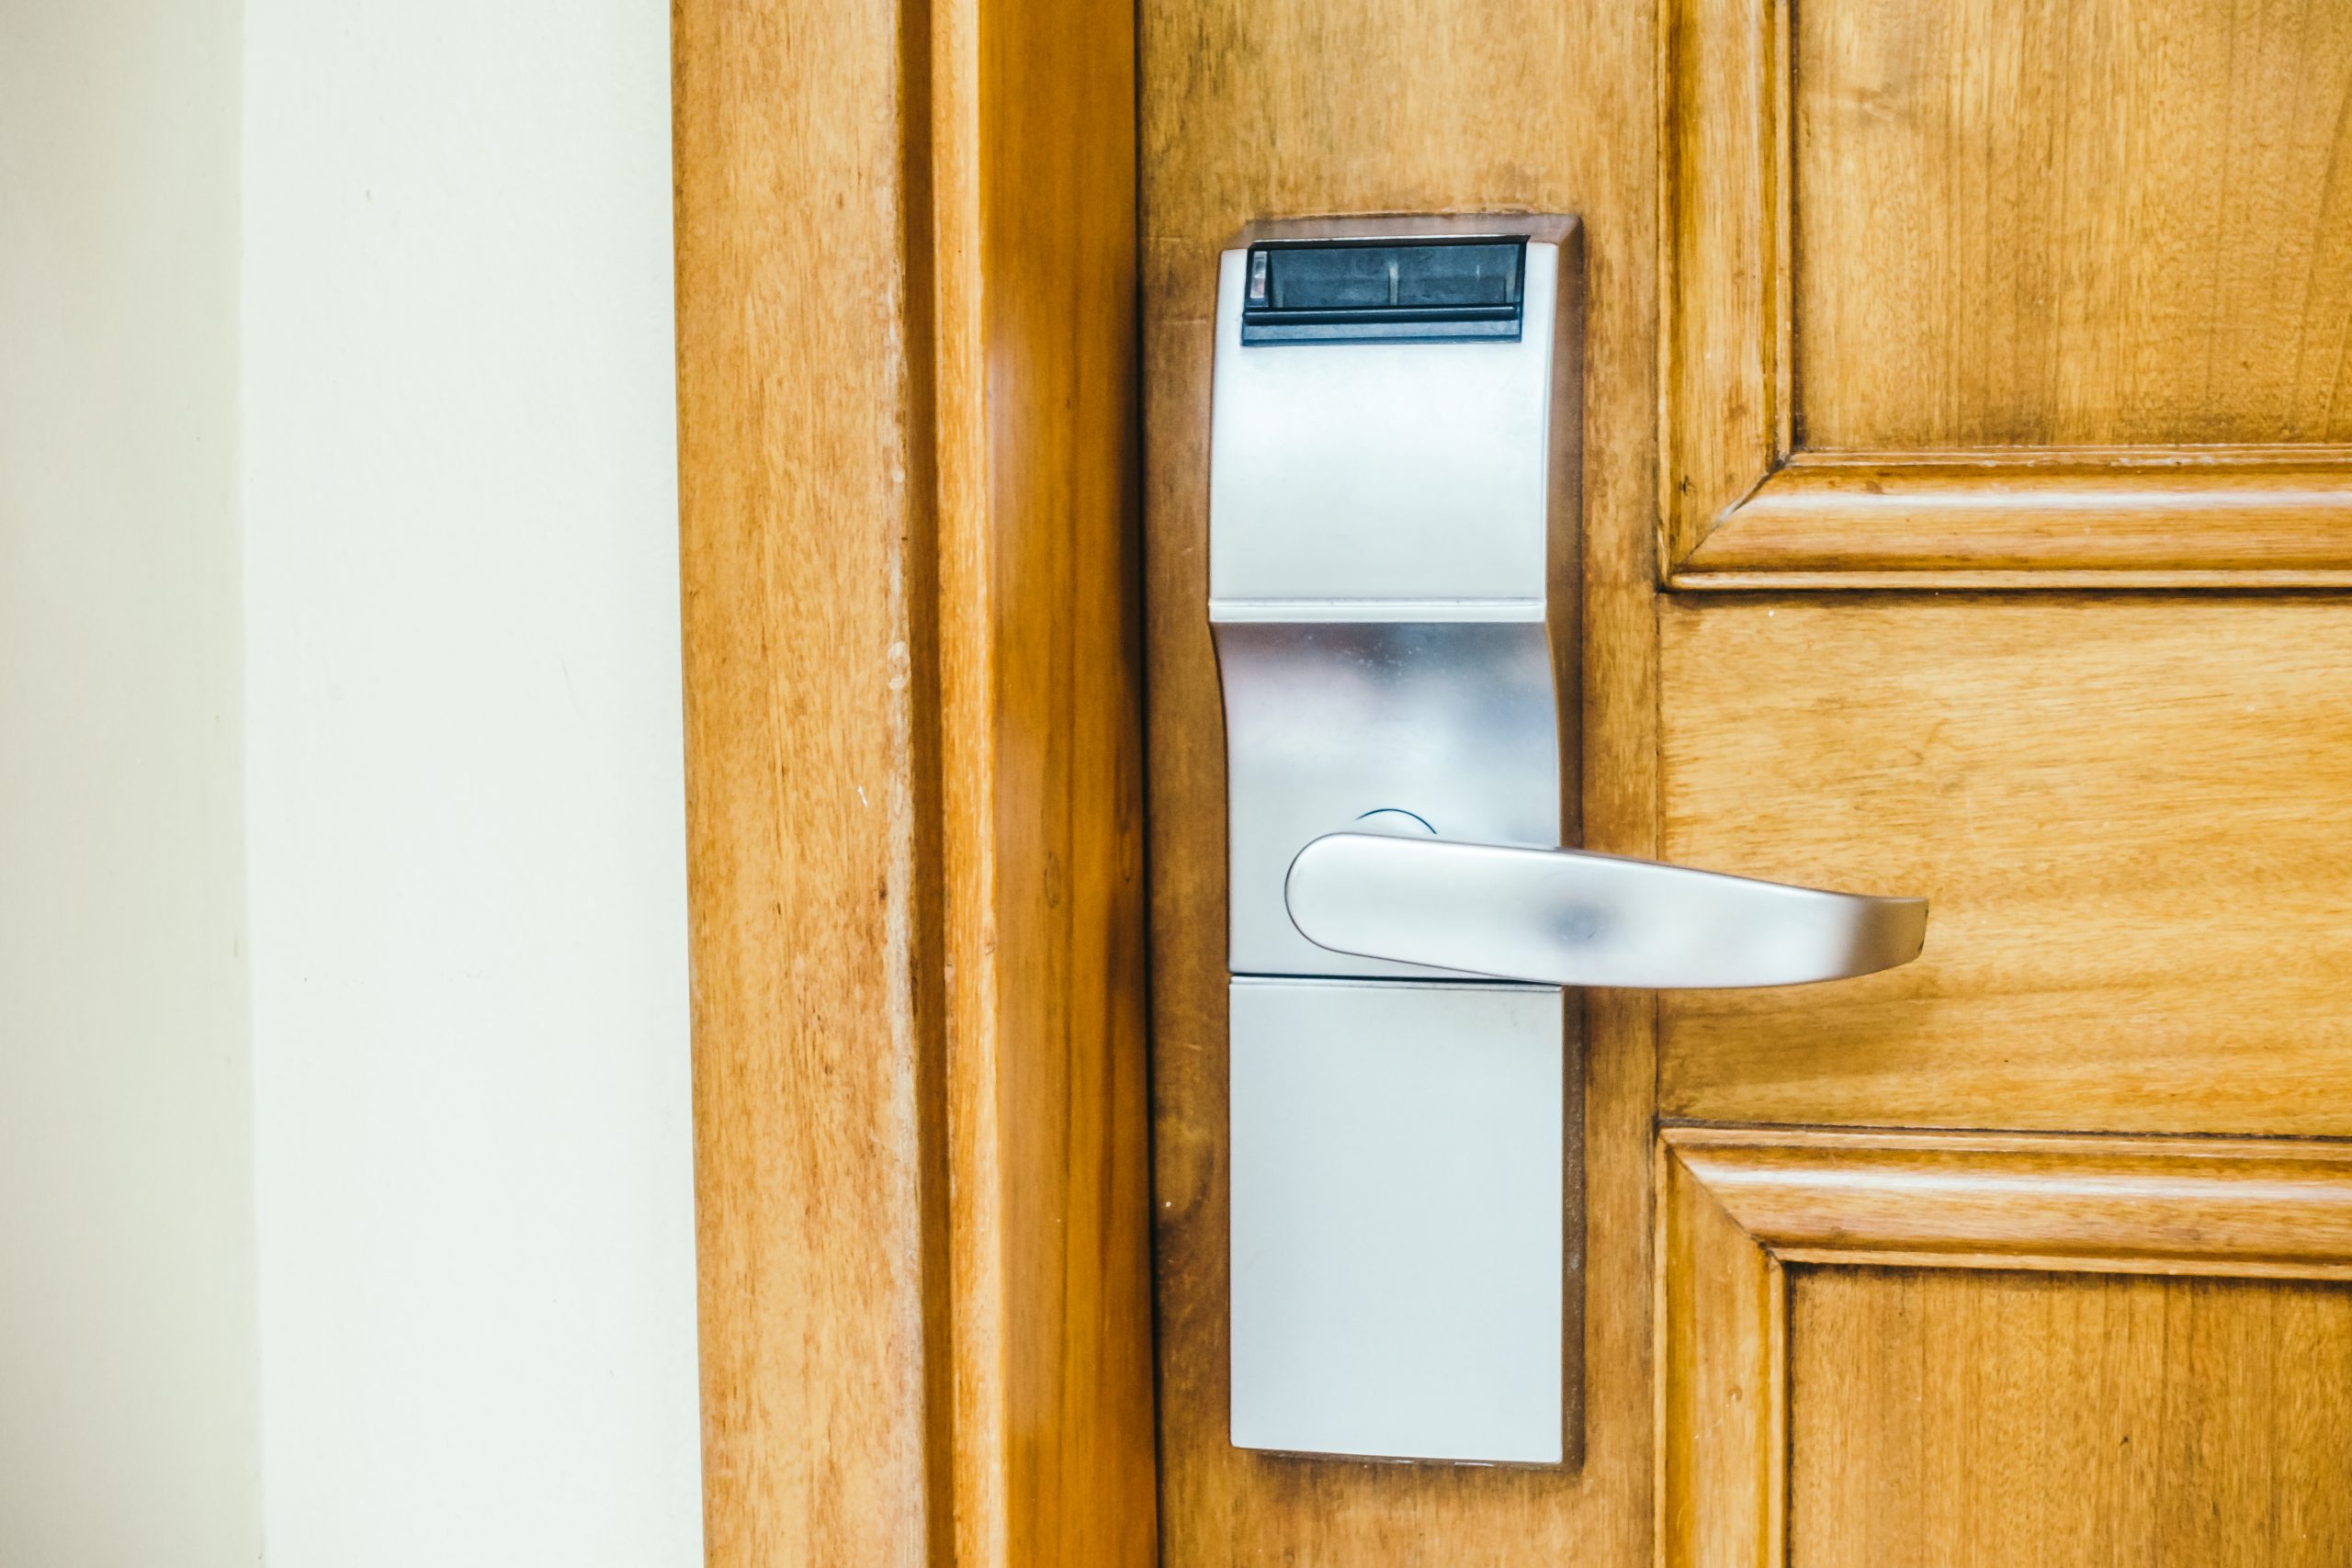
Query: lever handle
{"points": [[1570, 918]]}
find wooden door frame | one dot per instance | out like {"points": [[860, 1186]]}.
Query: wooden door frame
{"points": [[908, 460]]}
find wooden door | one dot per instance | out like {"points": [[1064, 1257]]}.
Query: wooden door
{"points": [[1967, 511]]}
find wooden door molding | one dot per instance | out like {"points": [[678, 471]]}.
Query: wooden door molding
{"points": [[1738, 1207], [2068, 437], [907, 470]]}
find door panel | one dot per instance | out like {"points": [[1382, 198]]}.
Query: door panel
{"points": [[2196, 1420], [2078, 225], [1952, 1348], [1979, 286], [2129, 817]]}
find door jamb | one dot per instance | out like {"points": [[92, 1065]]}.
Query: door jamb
{"points": [[908, 473]]}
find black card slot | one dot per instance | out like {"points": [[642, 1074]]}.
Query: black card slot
{"points": [[1384, 290]]}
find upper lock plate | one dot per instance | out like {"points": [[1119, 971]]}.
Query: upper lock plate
{"points": [[1388, 518]]}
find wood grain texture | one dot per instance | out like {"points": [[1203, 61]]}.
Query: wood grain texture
{"points": [[1724, 406], [1721, 1315], [2105, 223], [2224, 517], [1041, 656], [1990, 1200], [906, 337], [1930, 1412], [812, 855], [1910, 1347], [1372, 106], [2126, 815], [1959, 291]]}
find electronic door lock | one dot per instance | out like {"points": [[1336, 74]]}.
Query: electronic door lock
{"points": [[1393, 590]]}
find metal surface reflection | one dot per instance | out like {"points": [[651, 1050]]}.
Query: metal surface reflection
{"points": [[1570, 918]]}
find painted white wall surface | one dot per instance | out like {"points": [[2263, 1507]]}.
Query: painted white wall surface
{"points": [[128, 1434], [345, 1190], [467, 837]]}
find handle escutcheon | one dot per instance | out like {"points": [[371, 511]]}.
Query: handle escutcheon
{"points": [[1571, 918]]}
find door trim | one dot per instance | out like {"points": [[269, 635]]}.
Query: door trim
{"points": [[908, 474]]}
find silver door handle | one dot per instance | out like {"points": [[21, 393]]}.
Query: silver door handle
{"points": [[1570, 918]]}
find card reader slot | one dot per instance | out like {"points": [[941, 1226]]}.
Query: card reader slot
{"points": [[1385, 290]]}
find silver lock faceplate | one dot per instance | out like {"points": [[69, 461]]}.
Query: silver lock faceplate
{"points": [[1386, 561]]}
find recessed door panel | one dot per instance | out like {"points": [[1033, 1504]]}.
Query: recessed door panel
{"points": [[2193, 1420], [1955, 1348]]}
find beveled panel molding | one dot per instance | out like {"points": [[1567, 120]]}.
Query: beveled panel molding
{"points": [[1748, 502], [1736, 1206], [2248, 517]]}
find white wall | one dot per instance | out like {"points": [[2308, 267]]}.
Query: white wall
{"points": [[127, 1355], [338, 612], [466, 863]]}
